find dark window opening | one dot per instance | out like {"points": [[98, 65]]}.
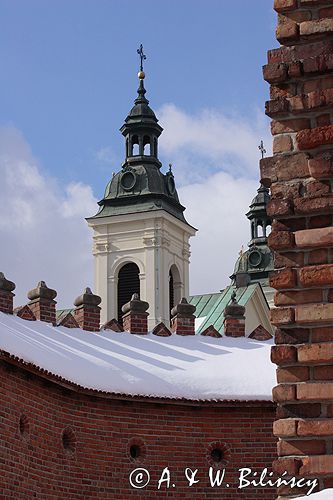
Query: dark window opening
{"points": [[135, 451], [217, 455], [171, 292], [128, 283]]}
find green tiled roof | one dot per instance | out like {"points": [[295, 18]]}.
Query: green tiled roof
{"points": [[211, 305]]}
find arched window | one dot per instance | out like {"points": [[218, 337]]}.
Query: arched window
{"points": [[146, 145], [135, 145], [128, 283], [175, 287], [155, 147]]}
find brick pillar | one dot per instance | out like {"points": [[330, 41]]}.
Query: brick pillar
{"points": [[135, 317], [42, 303], [234, 319], [300, 176], [6, 295], [183, 319], [87, 312]]}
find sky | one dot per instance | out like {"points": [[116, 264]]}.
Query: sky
{"points": [[68, 80]]}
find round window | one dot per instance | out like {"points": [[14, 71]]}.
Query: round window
{"points": [[128, 180], [255, 258]]}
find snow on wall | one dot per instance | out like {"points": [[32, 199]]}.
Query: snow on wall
{"points": [[192, 367], [321, 495]]}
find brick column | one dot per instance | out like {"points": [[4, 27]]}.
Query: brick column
{"points": [[135, 317], [300, 176], [183, 319], [234, 319], [6, 295], [42, 303], [87, 312]]}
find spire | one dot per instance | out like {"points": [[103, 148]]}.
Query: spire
{"points": [[140, 185]]}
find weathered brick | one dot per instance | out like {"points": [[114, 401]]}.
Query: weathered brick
{"points": [[287, 30], [298, 297], [321, 166], [312, 138], [310, 206], [316, 26], [316, 275], [292, 335], [278, 207], [283, 354], [292, 374], [275, 72], [316, 466], [291, 465], [315, 353], [323, 372], [283, 279], [284, 392], [319, 256], [284, 168], [317, 391], [289, 125], [280, 240], [301, 447], [308, 238], [314, 313], [315, 428], [285, 427], [282, 144], [284, 5], [282, 316]]}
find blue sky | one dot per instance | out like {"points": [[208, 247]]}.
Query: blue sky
{"points": [[68, 80]]}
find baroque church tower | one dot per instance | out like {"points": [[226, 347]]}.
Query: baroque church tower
{"points": [[141, 238]]}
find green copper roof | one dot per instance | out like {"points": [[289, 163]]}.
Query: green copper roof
{"points": [[211, 305]]}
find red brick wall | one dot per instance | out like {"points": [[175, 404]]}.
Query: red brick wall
{"points": [[36, 465], [300, 176]]}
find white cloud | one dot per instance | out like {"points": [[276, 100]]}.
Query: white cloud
{"points": [[43, 233], [216, 163], [217, 208], [210, 141], [45, 237]]}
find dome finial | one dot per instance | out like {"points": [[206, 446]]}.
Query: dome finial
{"points": [[143, 57]]}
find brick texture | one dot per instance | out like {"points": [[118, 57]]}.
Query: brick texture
{"points": [[300, 175], [100, 430]]}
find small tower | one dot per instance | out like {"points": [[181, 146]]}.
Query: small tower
{"points": [[257, 261], [141, 238]]}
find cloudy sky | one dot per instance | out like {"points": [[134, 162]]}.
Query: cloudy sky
{"points": [[68, 80]]}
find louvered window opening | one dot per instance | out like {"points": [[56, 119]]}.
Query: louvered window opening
{"points": [[171, 292], [128, 283]]}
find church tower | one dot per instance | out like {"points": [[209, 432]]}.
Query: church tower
{"points": [[141, 238], [257, 261]]}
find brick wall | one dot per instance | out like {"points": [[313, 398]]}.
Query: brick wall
{"points": [[92, 459], [300, 176]]}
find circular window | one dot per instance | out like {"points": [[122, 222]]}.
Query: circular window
{"points": [[137, 449], [218, 454], [128, 180], [171, 184], [255, 258], [68, 440]]}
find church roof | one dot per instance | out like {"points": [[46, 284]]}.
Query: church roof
{"points": [[210, 308], [194, 367]]}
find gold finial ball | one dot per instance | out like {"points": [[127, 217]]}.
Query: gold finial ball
{"points": [[141, 75]]}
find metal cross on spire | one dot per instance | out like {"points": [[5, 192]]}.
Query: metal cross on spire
{"points": [[262, 148], [143, 56]]}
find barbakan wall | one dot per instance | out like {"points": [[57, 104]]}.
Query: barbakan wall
{"points": [[57, 442]]}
